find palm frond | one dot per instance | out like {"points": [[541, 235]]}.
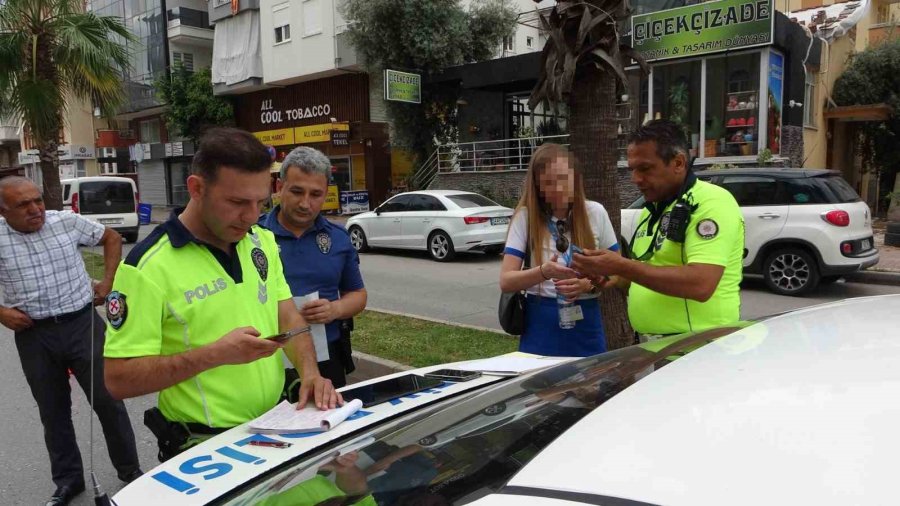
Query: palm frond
{"points": [[90, 62], [583, 37]]}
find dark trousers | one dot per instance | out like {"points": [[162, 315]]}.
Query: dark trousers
{"points": [[47, 350]]}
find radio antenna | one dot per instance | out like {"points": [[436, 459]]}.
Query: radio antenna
{"points": [[100, 497]]}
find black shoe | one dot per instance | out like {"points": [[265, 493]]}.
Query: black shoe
{"points": [[63, 495], [130, 477]]}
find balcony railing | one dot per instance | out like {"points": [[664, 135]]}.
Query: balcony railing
{"points": [[183, 16], [481, 156]]}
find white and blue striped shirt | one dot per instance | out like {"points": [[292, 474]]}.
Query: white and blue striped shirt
{"points": [[42, 273]]}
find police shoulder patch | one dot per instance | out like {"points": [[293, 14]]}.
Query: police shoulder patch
{"points": [[116, 309], [707, 229]]}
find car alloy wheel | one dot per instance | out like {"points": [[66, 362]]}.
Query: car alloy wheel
{"points": [[440, 247], [358, 239], [791, 272]]}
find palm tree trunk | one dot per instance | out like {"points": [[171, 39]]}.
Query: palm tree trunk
{"points": [[49, 156], [592, 127]]}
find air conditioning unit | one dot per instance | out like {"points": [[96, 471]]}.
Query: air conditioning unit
{"points": [[107, 153]]}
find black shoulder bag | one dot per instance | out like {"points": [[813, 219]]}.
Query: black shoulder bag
{"points": [[511, 310]]}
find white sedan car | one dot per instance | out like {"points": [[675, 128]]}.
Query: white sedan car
{"points": [[796, 409], [443, 222]]}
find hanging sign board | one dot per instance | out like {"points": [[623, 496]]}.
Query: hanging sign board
{"points": [[402, 87]]}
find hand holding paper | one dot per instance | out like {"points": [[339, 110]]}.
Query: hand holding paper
{"points": [[319, 335]]}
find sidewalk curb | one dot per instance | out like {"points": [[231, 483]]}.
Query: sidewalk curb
{"points": [[874, 277], [436, 320]]}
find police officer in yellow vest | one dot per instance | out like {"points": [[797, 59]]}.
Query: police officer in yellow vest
{"points": [[685, 266], [192, 304]]}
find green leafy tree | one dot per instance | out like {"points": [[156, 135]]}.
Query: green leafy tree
{"points": [[873, 77], [192, 106], [582, 63], [426, 37], [52, 52]]}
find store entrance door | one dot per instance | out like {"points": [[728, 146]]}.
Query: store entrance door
{"points": [[341, 174]]}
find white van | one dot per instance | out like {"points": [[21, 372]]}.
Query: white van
{"points": [[108, 200]]}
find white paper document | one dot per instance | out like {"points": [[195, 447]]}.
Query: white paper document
{"points": [[285, 418], [319, 336], [506, 365]]}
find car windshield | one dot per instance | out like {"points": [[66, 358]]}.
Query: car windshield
{"points": [[841, 189], [465, 448], [467, 200], [106, 197]]}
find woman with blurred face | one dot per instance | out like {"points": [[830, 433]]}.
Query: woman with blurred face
{"points": [[552, 221]]}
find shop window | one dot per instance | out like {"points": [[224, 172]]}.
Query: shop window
{"points": [[809, 100], [732, 106], [675, 98], [282, 33]]}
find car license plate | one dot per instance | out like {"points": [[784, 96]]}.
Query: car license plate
{"points": [[110, 221], [502, 220], [865, 245]]}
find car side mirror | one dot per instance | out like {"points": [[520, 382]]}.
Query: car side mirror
{"points": [[378, 211]]}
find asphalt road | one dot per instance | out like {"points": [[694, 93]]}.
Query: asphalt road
{"points": [[464, 291]]}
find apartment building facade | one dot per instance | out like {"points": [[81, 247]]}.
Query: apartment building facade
{"points": [[136, 140]]}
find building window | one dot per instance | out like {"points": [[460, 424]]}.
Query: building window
{"points": [[150, 130], [509, 44], [312, 17], [282, 33], [529, 42], [186, 60], [809, 100]]}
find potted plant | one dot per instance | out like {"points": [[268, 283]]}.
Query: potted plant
{"points": [[714, 132]]}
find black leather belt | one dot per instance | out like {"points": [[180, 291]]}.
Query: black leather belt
{"points": [[65, 317]]}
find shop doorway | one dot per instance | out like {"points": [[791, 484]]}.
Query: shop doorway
{"points": [[341, 173]]}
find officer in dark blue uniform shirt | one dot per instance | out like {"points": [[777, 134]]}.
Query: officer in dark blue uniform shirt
{"points": [[317, 256]]}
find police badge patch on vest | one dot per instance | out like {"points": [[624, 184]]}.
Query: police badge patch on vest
{"points": [[707, 229], [323, 241], [116, 309], [260, 262]]}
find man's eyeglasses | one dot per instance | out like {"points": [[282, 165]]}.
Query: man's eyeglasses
{"points": [[562, 242]]}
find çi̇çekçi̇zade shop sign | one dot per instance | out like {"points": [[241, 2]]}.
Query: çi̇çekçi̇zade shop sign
{"points": [[704, 28]]}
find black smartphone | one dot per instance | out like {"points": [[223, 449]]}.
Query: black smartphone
{"points": [[389, 389], [453, 375], [285, 336]]}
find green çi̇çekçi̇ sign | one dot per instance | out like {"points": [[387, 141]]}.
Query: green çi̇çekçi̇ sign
{"points": [[704, 28], [402, 87]]}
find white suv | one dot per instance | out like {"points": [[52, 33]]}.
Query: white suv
{"points": [[802, 226]]}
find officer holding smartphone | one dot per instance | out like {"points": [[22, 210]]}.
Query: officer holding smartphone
{"points": [[685, 266], [191, 306]]}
